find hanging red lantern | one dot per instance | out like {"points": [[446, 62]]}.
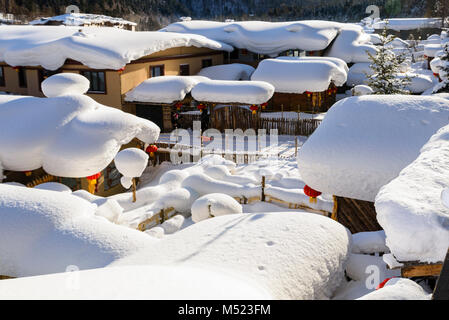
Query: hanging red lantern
{"points": [[201, 107], [308, 93], [425, 56], [16, 69], [120, 71], [178, 106], [311, 193], [335, 90], [264, 105], [329, 91], [92, 182], [254, 108], [151, 149]]}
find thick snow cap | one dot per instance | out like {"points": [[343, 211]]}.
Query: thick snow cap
{"points": [[69, 136], [80, 19], [65, 83], [364, 142], [46, 232], [410, 208], [221, 91], [298, 76], [233, 71], [95, 47], [131, 162], [167, 89], [399, 24]]}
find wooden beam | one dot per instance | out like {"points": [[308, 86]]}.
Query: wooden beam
{"points": [[421, 270], [441, 291], [5, 277]]}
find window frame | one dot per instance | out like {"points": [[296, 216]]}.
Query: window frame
{"points": [[161, 66], [2, 77], [184, 65], [91, 91]]}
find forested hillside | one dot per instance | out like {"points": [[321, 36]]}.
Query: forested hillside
{"points": [[152, 14]]}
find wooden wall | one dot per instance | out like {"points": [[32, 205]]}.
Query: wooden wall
{"points": [[356, 215]]}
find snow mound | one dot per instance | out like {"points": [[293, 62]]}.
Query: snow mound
{"points": [[167, 89], [69, 136], [399, 24], [133, 282], [233, 71], [221, 91], [369, 242], [410, 209], [338, 62], [95, 47], [398, 289], [214, 205], [53, 186], [65, 83], [364, 142], [292, 256], [361, 90], [131, 162], [298, 76], [431, 50], [357, 73], [45, 232]]}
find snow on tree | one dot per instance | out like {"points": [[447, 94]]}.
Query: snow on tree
{"points": [[444, 72], [386, 65]]}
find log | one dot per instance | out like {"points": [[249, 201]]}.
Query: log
{"points": [[441, 291], [421, 270]]}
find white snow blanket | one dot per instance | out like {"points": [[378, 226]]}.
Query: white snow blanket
{"points": [[214, 205], [410, 209], [369, 242], [399, 24], [46, 232], [270, 38], [292, 256], [364, 142], [352, 45], [167, 89], [361, 90], [95, 47], [134, 282], [222, 91], [69, 136], [81, 19], [337, 61], [398, 289], [233, 71], [65, 83], [431, 50], [131, 162], [357, 73], [298, 76]]}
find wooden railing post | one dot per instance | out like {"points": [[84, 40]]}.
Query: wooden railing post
{"points": [[262, 198]]}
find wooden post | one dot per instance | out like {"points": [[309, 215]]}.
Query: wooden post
{"points": [[134, 190], [263, 189], [296, 147], [441, 291]]}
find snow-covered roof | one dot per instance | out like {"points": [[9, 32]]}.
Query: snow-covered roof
{"points": [[166, 89], [233, 71], [431, 50], [69, 136], [364, 142], [262, 37], [298, 76], [222, 91], [410, 208], [79, 19], [399, 24], [337, 61], [95, 47]]}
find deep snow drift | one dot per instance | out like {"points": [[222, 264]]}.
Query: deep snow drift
{"points": [[364, 142]]}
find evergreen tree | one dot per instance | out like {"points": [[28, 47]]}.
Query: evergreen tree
{"points": [[386, 66], [444, 72]]}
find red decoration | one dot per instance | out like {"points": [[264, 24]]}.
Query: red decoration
{"points": [[201, 107], [254, 108], [383, 283], [28, 173], [94, 177], [178, 106], [335, 90], [121, 70], [17, 69], [151, 149], [308, 93], [264, 105], [311, 193]]}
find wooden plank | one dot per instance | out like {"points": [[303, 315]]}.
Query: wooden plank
{"points": [[2, 277], [441, 291], [421, 270]]}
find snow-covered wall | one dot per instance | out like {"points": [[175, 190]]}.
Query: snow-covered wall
{"points": [[364, 142]]}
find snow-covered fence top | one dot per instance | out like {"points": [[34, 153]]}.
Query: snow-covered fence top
{"points": [[167, 89], [399, 24], [95, 47], [364, 142], [299, 76], [79, 19], [241, 92], [69, 136], [262, 37], [233, 71], [410, 208]]}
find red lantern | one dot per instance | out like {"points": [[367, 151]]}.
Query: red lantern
{"points": [[264, 105], [254, 108], [308, 93], [201, 107], [151, 149], [335, 90], [92, 182], [121, 70], [425, 56], [311, 193], [16, 69], [178, 106]]}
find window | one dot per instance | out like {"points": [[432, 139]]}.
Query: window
{"points": [[184, 70], [244, 52], [22, 77], [206, 63], [44, 74], [234, 54], [157, 71], [97, 81], [2, 77]]}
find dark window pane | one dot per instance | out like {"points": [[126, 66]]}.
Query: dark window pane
{"points": [[2, 77], [206, 63], [184, 70], [101, 82], [97, 81], [22, 78]]}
